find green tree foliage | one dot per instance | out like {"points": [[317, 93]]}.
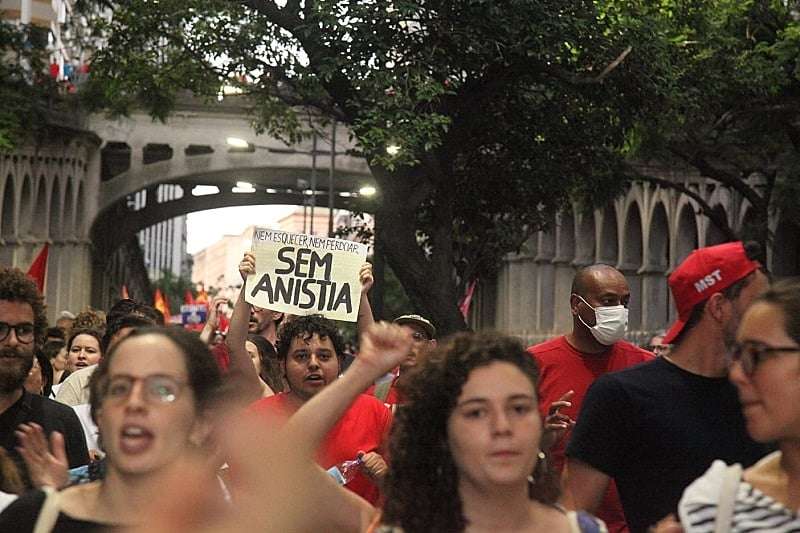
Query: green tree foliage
{"points": [[501, 110], [732, 102], [26, 91], [174, 289]]}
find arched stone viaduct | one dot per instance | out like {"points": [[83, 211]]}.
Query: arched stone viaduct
{"points": [[82, 193]]}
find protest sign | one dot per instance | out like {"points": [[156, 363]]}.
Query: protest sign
{"points": [[193, 316], [306, 274]]}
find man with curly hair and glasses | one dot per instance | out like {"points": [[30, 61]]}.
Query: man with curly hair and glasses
{"points": [[22, 330]]}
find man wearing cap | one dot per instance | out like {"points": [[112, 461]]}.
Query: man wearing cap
{"points": [[423, 339], [569, 363], [655, 427]]}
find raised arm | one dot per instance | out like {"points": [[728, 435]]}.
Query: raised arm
{"points": [[383, 346], [241, 373], [212, 320], [584, 486], [365, 317]]}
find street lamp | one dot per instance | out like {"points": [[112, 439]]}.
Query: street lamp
{"points": [[238, 142]]}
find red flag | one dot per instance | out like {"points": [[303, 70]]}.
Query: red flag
{"points": [[160, 303], [188, 297], [202, 296], [463, 306], [223, 322], [38, 269], [124, 293]]}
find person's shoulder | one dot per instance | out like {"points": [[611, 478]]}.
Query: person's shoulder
{"points": [[82, 374], [21, 514], [366, 402], [270, 403], [52, 408], [550, 347], [703, 494], [632, 351]]}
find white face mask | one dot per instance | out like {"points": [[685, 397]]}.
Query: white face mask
{"points": [[611, 322]]}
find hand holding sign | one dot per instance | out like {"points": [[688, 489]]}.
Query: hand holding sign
{"points": [[304, 274]]}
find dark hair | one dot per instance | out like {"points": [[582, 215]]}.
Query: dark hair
{"points": [[46, 369], [270, 367], [15, 286], [422, 485], [92, 332], [51, 348], [204, 376], [55, 332], [785, 295], [123, 321], [305, 326]]}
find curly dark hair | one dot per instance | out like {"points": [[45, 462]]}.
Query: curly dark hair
{"points": [[422, 486], [306, 326], [15, 286], [204, 375]]}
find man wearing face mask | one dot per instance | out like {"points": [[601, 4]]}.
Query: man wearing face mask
{"points": [[656, 427], [570, 363]]}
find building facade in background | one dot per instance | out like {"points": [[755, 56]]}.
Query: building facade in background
{"points": [[164, 244]]}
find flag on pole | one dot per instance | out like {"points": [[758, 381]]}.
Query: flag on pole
{"points": [[202, 296], [188, 297], [38, 269], [463, 306], [160, 303]]}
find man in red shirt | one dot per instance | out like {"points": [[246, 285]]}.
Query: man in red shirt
{"points": [[311, 349], [570, 363], [423, 339]]}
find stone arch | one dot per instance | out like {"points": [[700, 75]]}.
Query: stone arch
{"points": [[786, 250], [633, 242], [686, 236], [655, 290], [585, 238], [8, 226], [68, 212], [26, 202], [39, 226], [55, 210], [80, 211], [608, 247], [632, 252], [714, 235], [565, 236]]}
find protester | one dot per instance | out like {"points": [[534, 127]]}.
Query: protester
{"points": [[56, 352], [65, 321], [570, 363], [150, 398], [83, 348], [22, 330], [265, 360], [657, 346], [655, 427], [423, 339], [55, 334], [765, 370], [40, 377]]}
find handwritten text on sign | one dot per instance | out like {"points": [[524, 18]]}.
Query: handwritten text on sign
{"points": [[306, 274]]}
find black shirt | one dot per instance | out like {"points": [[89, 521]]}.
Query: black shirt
{"points": [[21, 516], [655, 428], [52, 416]]}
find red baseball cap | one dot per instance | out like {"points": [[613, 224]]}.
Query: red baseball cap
{"points": [[705, 272]]}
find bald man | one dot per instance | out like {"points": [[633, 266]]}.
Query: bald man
{"points": [[570, 363]]}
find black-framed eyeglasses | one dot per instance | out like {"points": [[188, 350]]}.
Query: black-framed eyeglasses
{"points": [[158, 388], [750, 354], [23, 331]]}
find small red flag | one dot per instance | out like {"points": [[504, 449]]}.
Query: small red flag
{"points": [[463, 305], [160, 303], [38, 269], [188, 297]]}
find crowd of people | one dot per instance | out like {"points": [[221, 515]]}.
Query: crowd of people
{"points": [[111, 420]]}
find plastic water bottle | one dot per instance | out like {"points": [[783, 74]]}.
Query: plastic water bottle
{"points": [[345, 471]]}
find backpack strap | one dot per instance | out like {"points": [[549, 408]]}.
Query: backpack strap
{"points": [[48, 514], [727, 498], [382, 390]]}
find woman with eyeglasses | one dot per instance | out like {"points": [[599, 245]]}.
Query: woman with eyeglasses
{"points": [[765, 367], [149, 397]]}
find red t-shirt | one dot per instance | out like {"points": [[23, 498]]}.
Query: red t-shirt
{"points": [[392, 395], [563, 368], [363, 427]]}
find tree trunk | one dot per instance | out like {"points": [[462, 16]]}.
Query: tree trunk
{"points": [[428, 281]]}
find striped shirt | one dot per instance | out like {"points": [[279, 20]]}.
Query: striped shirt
{"points": [[752, 510]]}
